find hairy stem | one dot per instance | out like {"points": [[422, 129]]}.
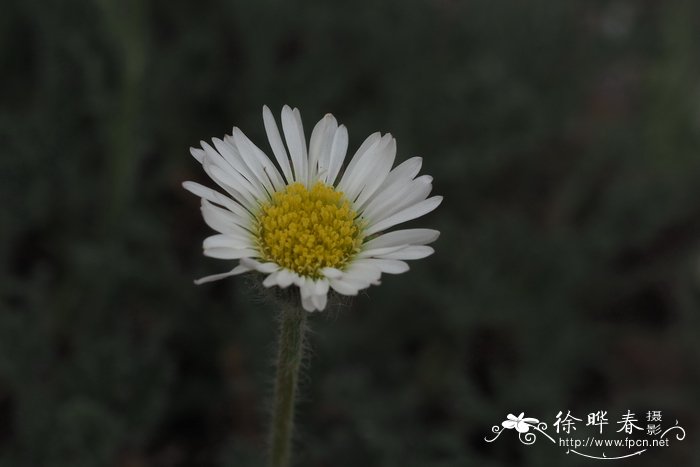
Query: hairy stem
{"points": [[289, 355]]}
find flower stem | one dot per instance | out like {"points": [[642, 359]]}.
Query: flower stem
{"points": [[289, 355]]}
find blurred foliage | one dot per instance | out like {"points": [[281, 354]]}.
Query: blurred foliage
{"points": [[564, 135]]}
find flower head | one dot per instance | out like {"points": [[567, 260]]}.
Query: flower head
{"points": [[306, 221]]}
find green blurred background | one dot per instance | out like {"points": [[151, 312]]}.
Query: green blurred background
{"points": [[564, 135]]}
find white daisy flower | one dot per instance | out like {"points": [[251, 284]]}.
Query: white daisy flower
{"points": [[305, 221]]}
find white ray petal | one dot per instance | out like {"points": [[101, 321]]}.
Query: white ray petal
{"points": [[320, 147], [332, 273], [218, 198], [343, 287], [257, 160], [236, 195], [370, 141], [404, 196], [265, 268], [398, 179], [375, 174], [285, 278], [420, 192], [233, 182], [377, 252], [358, 282], [271, 279], [227, 241], [234, 160], [294, 135], [308, 304], [198, 154], [216, 219], [306, 287], [275, 139], [320, 301], [409, 253], [403, 237], [229, 253], [339, 148], [226, 221], [361, 166], [389, 266], [306, 291], [215, 277], [249, 165], [364, 272], [410, 213], [231, 162], [321, 287], [407, 170]]}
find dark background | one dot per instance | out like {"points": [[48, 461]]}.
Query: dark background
{"points": [[564, 135]]}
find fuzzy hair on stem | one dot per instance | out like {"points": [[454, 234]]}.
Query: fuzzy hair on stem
{"points": [[290, 352]]}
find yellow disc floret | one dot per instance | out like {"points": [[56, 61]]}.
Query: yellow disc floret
{"points": [[305, 230]]}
